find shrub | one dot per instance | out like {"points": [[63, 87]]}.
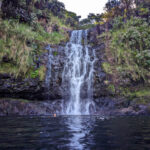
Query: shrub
{"points": [[130, 48], [21, 43]]}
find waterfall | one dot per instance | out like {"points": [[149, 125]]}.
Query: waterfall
{"points": [[78, 73]]}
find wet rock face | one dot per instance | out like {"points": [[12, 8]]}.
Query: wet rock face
{"points": [[33, 88], [108, 106], [21, 88], [25, 88], [59, 88], [105, 106], [54, 91], [17, 107], [99, 86]]}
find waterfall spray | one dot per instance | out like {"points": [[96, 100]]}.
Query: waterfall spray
{"points": [[78, 72]]}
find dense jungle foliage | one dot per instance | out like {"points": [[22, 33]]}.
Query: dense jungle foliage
{"points": [[128, 47], [26, 26]]}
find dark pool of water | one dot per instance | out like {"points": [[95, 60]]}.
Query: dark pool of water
{"points": [[75, 133]]}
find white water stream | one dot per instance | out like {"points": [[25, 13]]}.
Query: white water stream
{"points": [[78, 72]]}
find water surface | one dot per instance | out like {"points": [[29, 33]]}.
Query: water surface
{"points": [[75, 133]]}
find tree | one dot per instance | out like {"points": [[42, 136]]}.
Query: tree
{"points": [[113, 9], [71, 18], [127, 6], [16, 9], [94, 17], [56, 7], [112, 4], [143, 9], [120, 8], [85, 21]]}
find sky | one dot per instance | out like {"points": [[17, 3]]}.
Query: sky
{"points": [[84, 7]]}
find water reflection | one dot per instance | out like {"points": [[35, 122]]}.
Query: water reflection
{"points": [[76, 127]]}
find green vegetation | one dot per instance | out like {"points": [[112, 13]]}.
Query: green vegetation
{"points": [[130, 48], [142, 93], [26, 27], [20, 44], [86, 26], [138, 95], [15, 99], [111, 88], [107, 67], [38, 73], [91, 21]]}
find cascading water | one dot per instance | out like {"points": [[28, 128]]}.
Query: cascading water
{"points": [[78, 72], [49, 69]]}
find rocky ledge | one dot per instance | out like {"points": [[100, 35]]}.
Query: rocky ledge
{"points": [[106, 107], [19, 107]]}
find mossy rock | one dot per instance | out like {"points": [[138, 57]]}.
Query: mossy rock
{"points": [[12, 99]]}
